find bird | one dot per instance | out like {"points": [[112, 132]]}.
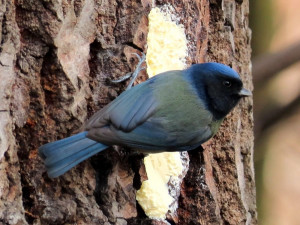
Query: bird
{"points": [[177, 110]]}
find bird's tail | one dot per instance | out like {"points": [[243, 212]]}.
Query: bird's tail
{"points": [[60, 156]]}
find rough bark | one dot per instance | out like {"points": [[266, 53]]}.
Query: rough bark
{"points": [[56, 60]]}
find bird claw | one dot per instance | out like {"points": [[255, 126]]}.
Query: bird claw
{"points": [[138, 56], [138, 68], [123, 78], [135, 73]]}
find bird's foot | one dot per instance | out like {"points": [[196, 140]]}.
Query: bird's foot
{"points": [[134, 75], [138, 69], [123, 78]]}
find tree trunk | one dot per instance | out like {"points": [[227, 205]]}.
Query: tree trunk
{"points": [[56, 62]]}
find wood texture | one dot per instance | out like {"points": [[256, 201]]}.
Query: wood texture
{"points": [[56, 62]]}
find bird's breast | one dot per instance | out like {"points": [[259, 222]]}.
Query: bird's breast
{"points": [[180, 110]]}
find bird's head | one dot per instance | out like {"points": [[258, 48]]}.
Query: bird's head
{"points": [[219, 86]]}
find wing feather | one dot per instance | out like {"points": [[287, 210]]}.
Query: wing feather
{"points": [[130, 109]]}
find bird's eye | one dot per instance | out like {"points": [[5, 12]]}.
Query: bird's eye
{"points": [[227, 83]]}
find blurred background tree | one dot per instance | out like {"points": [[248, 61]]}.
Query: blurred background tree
{"points": [[276, 55]]}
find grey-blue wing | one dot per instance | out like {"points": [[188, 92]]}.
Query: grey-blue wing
{"points": [[129, 110]]}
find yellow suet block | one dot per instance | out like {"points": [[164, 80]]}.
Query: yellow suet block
{"points": [[167, 44], [167, 49]]}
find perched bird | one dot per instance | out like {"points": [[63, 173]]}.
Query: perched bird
{"points": [[173, 111]]}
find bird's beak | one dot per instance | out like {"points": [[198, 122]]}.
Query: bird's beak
{"points": [[245, 93]]}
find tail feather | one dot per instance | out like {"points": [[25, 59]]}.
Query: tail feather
{"points": [[60, 156], [53, 147], [65, 165], [69, 150]]}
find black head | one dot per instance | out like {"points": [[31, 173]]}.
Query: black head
{"points": [[219, 86]]}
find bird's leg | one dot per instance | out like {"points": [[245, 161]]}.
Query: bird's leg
{"points": [[123, 78], [135, 73], [138, 69]]}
